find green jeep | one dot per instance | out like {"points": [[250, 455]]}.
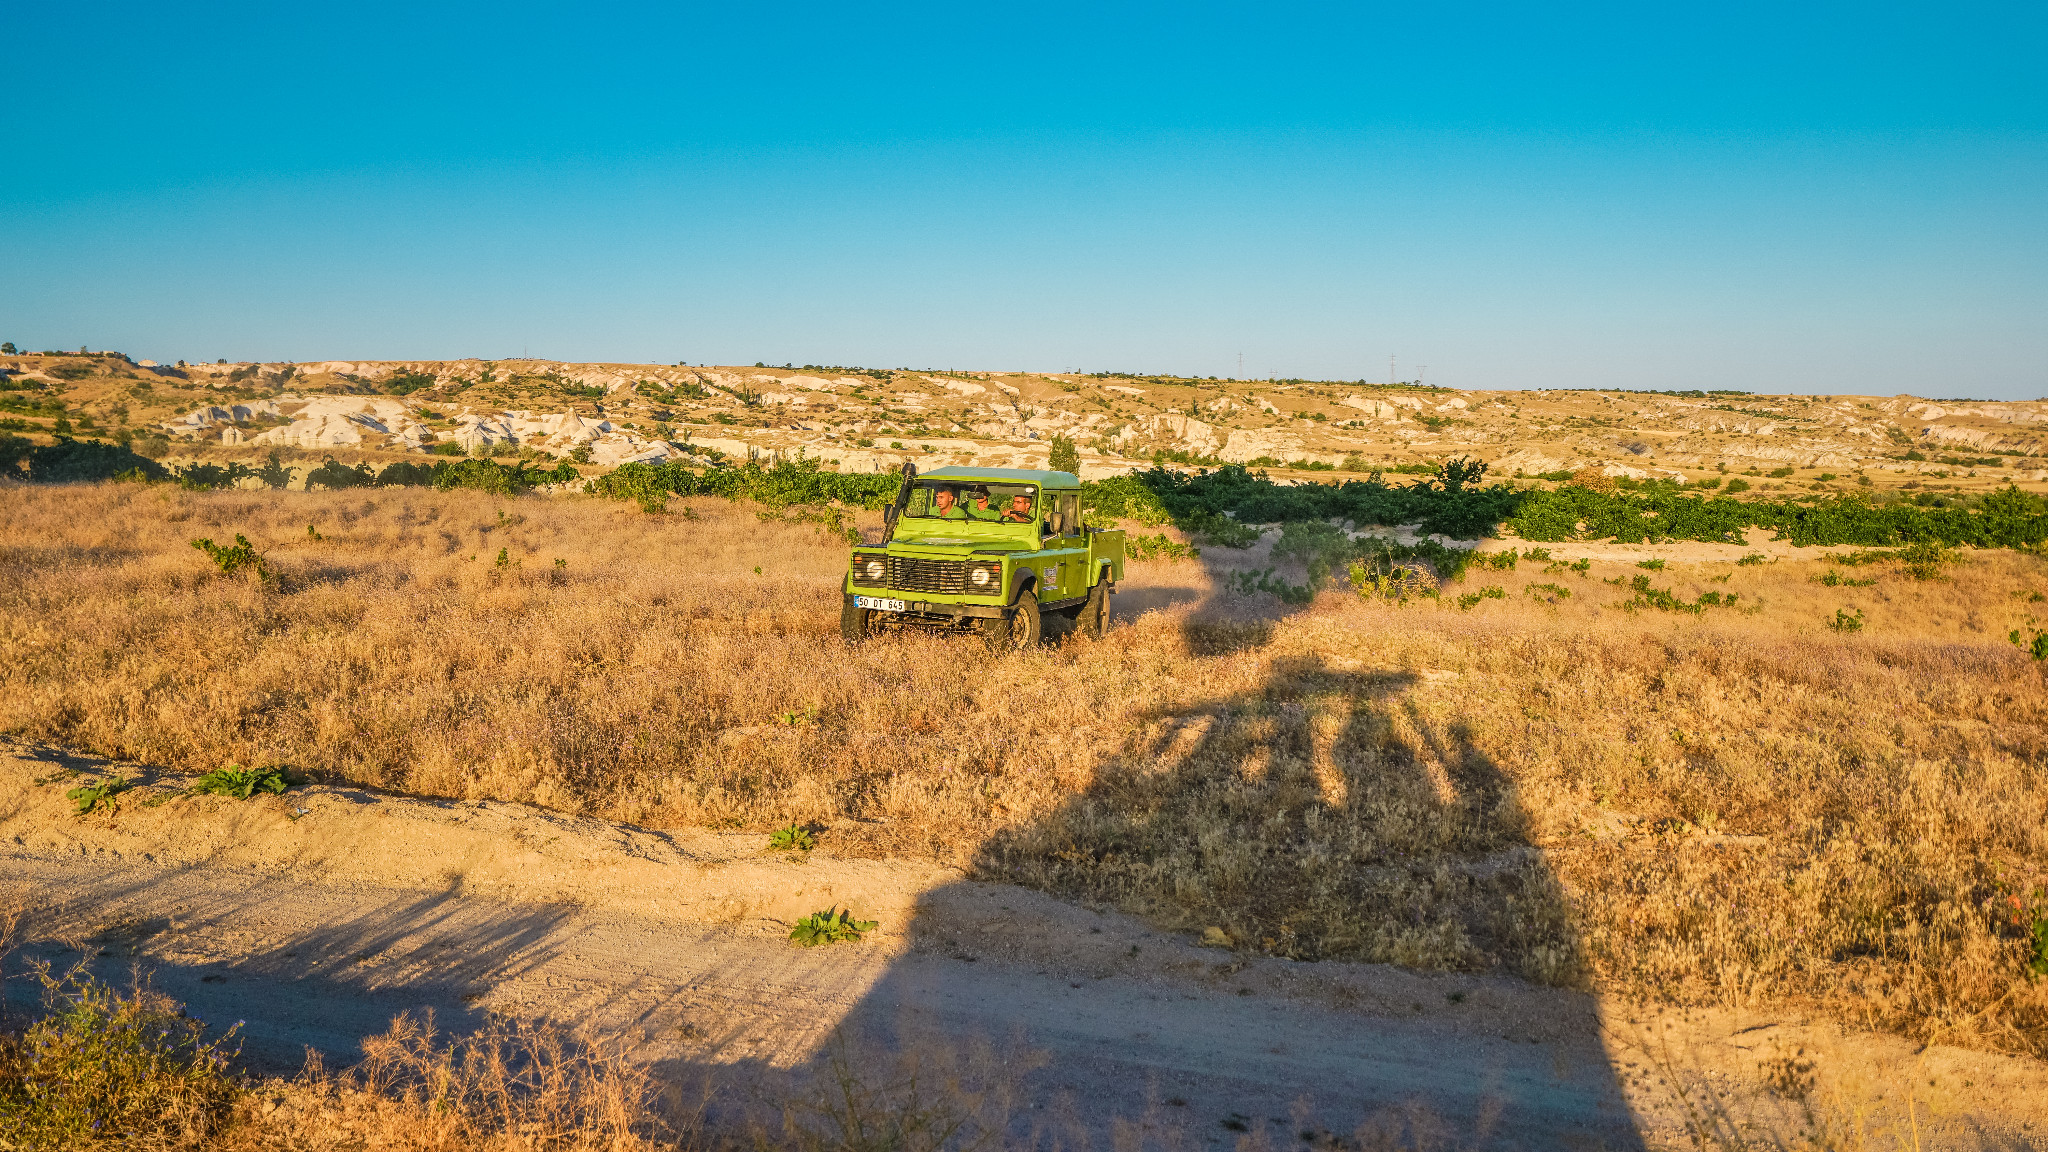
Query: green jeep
{"points": [[991, 550]]}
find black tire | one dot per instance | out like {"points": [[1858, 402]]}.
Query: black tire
{"points": [[1016, 632], [1094, 619], [853, 622]]}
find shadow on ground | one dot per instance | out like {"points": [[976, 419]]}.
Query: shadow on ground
{"points": [[1325, 816]]}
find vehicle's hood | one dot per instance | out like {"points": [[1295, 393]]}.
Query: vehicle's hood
{"points": [[953, 546]]}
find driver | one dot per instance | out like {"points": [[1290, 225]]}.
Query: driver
{"points": [[1020, 509]]}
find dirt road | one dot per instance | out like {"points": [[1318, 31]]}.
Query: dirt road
{"points": [[317, 916]]}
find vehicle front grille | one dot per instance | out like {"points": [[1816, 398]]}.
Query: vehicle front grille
{"points": [[917, 574]]}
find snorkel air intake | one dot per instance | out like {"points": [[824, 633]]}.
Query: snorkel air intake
{"points": [[894, 512]]}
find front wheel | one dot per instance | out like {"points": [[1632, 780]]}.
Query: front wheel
{"points": [[1016, 632], [853, 622]]}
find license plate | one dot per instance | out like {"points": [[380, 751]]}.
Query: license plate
{"points": [[879, 604]]}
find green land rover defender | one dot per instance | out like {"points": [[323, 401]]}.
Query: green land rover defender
{"points": [[999, 551]]}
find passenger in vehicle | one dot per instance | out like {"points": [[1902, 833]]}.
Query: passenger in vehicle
{"points": [[978, 508], [945, 504]]}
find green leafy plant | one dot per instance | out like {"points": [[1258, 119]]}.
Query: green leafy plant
{"points": [[103, 1068], [1663, 600], [795, 838], [1752, 560], [241, 783], [1652, 565], [1835, 579], [1470, 600], [90, 796], [2032, 641], [1253, 583], [231, 560], [1924, 560], [1158, 547], [1844, 622], [831, 926], [1551, 592]]}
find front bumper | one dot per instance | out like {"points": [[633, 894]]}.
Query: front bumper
{"points": [[936, 609]]}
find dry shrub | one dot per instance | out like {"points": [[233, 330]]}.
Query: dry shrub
{"points": [[928, 1095], [1738, 807], [1593, 478], [509, 1087]]}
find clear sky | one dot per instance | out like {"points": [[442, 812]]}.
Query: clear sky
{"points": [[1807, 197]]}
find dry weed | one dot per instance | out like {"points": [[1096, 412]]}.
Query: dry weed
{"points": [[1740, 807], [509, 1087]]}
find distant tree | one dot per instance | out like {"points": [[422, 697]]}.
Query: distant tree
{"points": [[13, 450], [8, 349], [1066, 457], [276, 474]]}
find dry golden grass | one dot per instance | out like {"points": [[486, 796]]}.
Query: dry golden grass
{"points": [[510, 1087], [1742, 807]]}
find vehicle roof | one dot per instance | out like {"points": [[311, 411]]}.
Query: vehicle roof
{"points": [[1032, 475]]}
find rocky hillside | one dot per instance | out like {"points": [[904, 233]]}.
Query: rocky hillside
{"points": [[868, 419]]}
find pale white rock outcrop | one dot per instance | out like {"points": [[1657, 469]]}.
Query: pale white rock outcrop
{"points": [[1181, 431], [1245, 445]]}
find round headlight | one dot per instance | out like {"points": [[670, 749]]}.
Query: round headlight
{"points": [[874, 569], [980, 576]]}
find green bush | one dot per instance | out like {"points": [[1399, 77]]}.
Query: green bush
{"points": [[786, 484], [231, 560], [406, 383], [401, 474], [106, 1068], [830, 926], [212, 477], [274, 474], [1220, 506], [333, 474], [500, 479], [1158, 547], [241, 783], [1065, 457], [79, 461], [13, 451]]}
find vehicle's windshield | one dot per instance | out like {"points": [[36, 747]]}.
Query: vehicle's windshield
{"points": [[973, 501]]}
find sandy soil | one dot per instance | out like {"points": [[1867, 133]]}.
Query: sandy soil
{"points": [[317, 916]]}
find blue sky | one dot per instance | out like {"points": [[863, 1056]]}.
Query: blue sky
{"points": [[1827, 198]]}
